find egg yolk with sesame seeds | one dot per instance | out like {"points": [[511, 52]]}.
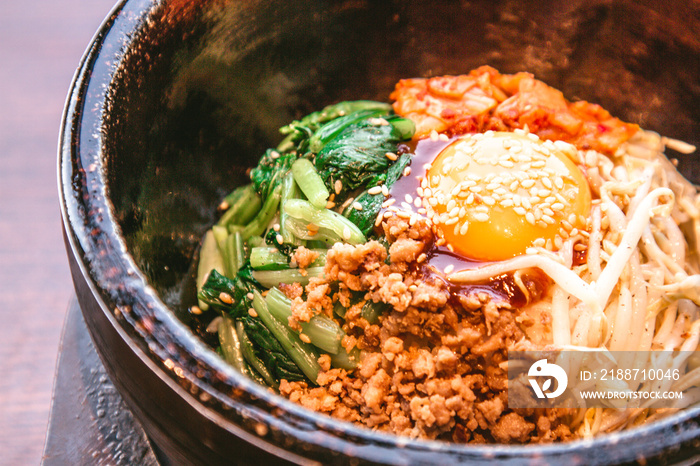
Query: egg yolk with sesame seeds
{"points": [[493, 195]]}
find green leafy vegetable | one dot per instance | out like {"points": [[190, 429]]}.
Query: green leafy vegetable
{"points": [[371, 204], [270, 171]]}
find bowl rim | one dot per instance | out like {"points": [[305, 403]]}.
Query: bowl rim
{"points": [[91, 85]]}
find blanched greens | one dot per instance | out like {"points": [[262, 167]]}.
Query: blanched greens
{"points": [[295, 199]]}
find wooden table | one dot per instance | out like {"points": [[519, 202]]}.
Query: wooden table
{"points": [[41, 43]]}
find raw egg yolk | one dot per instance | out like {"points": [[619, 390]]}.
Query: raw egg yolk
{"points": [[496, 194]]}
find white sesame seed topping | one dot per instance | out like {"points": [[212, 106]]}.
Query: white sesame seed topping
{"points": [[449, 268], [481, 217], [374, 190]]}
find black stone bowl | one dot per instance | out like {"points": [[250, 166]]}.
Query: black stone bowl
{"points": [[174, 99]]}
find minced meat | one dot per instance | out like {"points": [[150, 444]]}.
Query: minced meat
{"points": [[432, 366]]}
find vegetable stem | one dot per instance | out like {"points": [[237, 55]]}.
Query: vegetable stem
{"points": [[303, 354], [258, 225], [310, 182], [244, 203], [209, 259], [270, 278], [332, 227], [323, 332]]}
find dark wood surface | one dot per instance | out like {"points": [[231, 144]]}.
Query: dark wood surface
{"points": [[41, 43]]}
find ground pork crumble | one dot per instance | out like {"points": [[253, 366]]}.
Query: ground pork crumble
{"points": [[433, 365]]}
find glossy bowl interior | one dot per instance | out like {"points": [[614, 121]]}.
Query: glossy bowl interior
{"points": [[175, 99]]}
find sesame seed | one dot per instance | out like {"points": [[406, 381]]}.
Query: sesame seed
{"points": [[346, 233], [434, 135], [527, 184], [348, 202], [406, 206], [539, 242], [279, 239], [443, 137], [409, 198], [378, 121], [225, 298], [252, 312], [385, 190], [464, 228], [559, 182], [374, 190], [274, 154], [250, 296], [276, 227], [530, 217], [388, 214], [519, 210], [338, 186], [195, 310], [305, 338], [391, 156], [541, 224], [330, 204], [449, 268], [403, 214], [418, 202], [470, 199], [433, 201], [481, 217], [452, 220], [378, 221], [547, 183], [407, 171], [421, 258], [548, 219], [435, 179], [488, 200], [506, 163]]}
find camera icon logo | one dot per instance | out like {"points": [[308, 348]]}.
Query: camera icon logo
{"points": [[542, 368]]}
